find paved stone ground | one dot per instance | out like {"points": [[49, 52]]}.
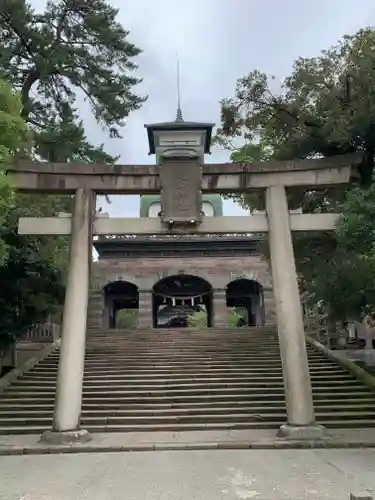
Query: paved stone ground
{"points": [[196, 475], [213, 439]]}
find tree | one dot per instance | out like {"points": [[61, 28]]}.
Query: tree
{"points": [[325, 107], [347, 286], [73, 45], [250, 153], [355, 235], [13, 138], [23, 263], [73, 48]]}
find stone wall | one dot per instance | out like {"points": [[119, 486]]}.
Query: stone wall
{"points": [[145, 272]]}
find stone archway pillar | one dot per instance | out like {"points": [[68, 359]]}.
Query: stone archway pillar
{"points": [[68, 402], [256, 307], [145, 313], [299, 401]]}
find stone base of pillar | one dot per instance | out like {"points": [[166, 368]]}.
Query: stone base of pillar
{"points": [[301, 432], [65, 437]]}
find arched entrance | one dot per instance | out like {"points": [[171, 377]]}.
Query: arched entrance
{"points": [[177, 297], [121, 301], [246, 297]]}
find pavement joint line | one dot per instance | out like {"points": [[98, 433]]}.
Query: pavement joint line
{"points": [[38, 449]]}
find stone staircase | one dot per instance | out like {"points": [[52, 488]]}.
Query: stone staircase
{"points": [[95, 309], [184, 380]]}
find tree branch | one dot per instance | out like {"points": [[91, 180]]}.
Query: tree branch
{"points": [[9, 23], [31, 78]]}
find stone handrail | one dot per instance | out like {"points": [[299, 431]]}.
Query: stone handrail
{"points": [[349, 365], [16, 373], [43, 332]]}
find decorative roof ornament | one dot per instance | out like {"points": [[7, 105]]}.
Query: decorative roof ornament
{"points": [[179, 117], [179, 137]]}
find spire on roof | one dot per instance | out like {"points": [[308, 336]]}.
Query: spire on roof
{"points": [[179, 117]]}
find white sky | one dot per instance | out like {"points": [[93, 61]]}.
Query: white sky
{"points": [[218, 41]]}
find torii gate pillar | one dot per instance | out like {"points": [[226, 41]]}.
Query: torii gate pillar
{"points": [[68, 402], [299, 401]]}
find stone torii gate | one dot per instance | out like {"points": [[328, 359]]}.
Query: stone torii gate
{"points": [[181, 176]]}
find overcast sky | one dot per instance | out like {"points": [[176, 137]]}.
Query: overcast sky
{"points": [[217, 41]]}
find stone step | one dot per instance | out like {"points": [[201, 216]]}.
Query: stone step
{"points": [[325, 405], [191, 341], [183, 367], [223, 418], [156, 351], [193, 384], [184, 380], [148, 353], [335, 424], [331, 410], [34, 429], [188, 331], [34, 379], [126, 398], [186, 371], [182, 360], [37, 378], [101, 393]]}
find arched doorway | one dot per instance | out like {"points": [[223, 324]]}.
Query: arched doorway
{"points": [[121, 301], [246, 297], [176, 298]]}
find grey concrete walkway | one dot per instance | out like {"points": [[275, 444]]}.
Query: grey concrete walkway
{"points": [[196, 475]]}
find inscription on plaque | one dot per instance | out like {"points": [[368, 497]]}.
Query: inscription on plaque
{"points": [[181, 190]]}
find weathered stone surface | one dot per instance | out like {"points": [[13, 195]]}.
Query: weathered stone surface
{"points": [[140, 179], [218, 271], [361, 496], [67, 437], [307, 432], [181, 197], [188, 475], [145, 272]]}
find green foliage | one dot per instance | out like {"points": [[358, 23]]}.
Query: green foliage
{"points": [[13, 129], [234, 316], [198, 320], [66, 141], [127, 319], [250, 153], [71, 50], [34, 275], [325, 107], [13, 137], [73, 44], [348, 286]]}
